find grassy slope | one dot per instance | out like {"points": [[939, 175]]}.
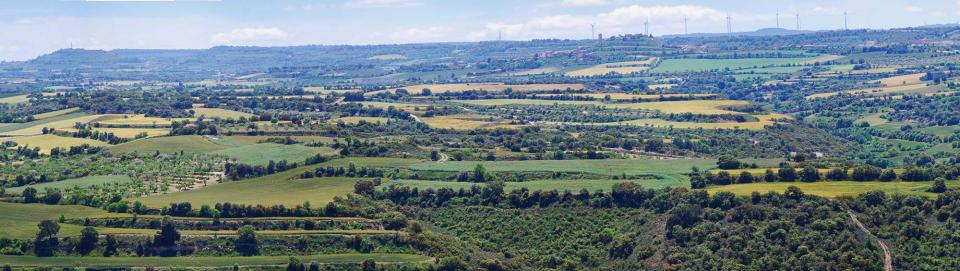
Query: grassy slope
{"points": [[559, 185], [82, 182], [20, 220], [170, 144], [668, 169], [203, 261], [279, 188], [261, 154], [831, 189]]}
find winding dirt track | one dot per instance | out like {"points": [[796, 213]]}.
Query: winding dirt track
{"points": [[887, 259]]}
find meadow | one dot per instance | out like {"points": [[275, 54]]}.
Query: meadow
{"points": [[69, 262], [20, 220], [263, 153], [14, 99], [169, 144], [219, 113], [545, 185], [629, 96], [278, 188], [133, 120], [764, 121], [36, 127], [55, 113], [466, 122], [832, 189], [626, 67], [494, 87], [692, 64], [672, 170], [78, 182], [705, 107]]}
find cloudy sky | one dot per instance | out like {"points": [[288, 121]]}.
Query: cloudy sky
{"points": [[34, 27]]}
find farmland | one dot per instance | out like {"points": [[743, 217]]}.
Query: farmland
{"points": [[616, 67], [192, 144], [219, 113], [207, 261], [47, 142], [706, 107], [14, 99], [280, 188], [496, 87], [667, 169], [676, 65], [560, 185], [831, 189], [261, 154], [78, 182]]}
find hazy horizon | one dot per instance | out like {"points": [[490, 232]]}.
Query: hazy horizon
{"points": [[35, 28]]}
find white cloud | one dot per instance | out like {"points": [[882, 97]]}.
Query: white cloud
{"points": [[914, 9], [415, 34], [826, 10], [574, 3], [248, 35], [383, 3], [637, 13]]}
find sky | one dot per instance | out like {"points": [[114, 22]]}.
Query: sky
{"points": [[30, 28]]}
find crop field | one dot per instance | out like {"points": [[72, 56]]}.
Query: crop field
{"points": [[262, 153], [206, 261], [466, 122], [170, 144], [355, 120], [78, 182], [885, 91], [49, 141], [668, 169], [908, 79], [629, 96], [545, 185], [20, 220], [279, 188], [219, 113], [36, 127], [494, 87], [832, 189], [626, 67], [129, 132], [409, 107], [764, 121], [705, 107], [536, 71], [373, 162], [387, 57], [133, 120], [241, 140], [14, 99], [55, 113], [681, 65]]}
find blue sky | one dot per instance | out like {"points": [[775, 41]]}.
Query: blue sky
{"points": [[32, 28]]}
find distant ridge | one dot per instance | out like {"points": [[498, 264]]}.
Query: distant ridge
{"points": [[757, 33]]}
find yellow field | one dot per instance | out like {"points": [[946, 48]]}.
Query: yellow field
{"points": [[626, 67], [466, 122], [875, 70], [496, 87], [629, 97], [830, 189], [759, 171], [129, 132], [908, 79], [355, 120], [14, 99], [59, 125], [123, 83], [219, 113], [47, 142], [133, 120], [412, 108], [881, 91], [55, 113]]}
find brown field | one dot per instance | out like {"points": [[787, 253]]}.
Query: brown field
{"points": [[899, 80], [496, 87], [14, 99]]}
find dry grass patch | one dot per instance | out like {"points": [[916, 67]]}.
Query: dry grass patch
{"points": [[355, 120], [626, 67], [55, 113], [466, 122], [132, 120], [220, 113], [630, 97], [899, 80], [14, 99], [47, 142]]}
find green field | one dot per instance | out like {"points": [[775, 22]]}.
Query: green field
{"points": [[559, 185], [667, 169], [691, 64], [204, 261], [373, 162], [262, 153], [279, 188], [81, 182], [20, 220], [55, 113], [170, 144], [39, 123], [832, 189]]}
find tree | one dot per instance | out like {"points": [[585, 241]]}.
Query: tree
{"points": [[247, 244], [88, 240], [809, 174], [888, 176], [165, 241], [787, 174], [294, 264], [837, 174], [939, 186], [29, 195], [727, 162], [110, 246], [46, 242], [434, 155], [745, 177], [369, 265]]}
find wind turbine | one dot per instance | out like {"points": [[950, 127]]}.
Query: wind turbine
{"points": [[593, 33]]}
